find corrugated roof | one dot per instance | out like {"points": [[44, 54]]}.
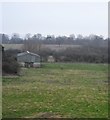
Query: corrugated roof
{"points": [[27, 52]]}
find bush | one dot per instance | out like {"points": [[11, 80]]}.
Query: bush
{"points": [[12, 67], [10, 64]]}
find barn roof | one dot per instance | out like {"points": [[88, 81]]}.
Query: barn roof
{"points": [[27, 52]]}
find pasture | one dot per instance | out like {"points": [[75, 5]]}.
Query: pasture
{"points": [[57, 90]]}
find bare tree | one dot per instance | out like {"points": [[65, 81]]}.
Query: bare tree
{"points": [[79, 36], [33, 43], [27, 36], [72, 36]]}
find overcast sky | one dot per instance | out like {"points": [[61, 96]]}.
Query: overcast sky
{"points": [[55, 18]]}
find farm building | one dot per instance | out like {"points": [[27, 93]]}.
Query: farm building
{"points": [[28, 59], [51, 59]]}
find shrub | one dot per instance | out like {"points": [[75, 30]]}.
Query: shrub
{"points": [[10, 64]]}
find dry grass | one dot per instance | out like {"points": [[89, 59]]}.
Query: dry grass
{"points": [[52, 47]]}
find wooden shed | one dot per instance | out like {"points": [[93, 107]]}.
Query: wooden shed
{"points": [[28, 59]]}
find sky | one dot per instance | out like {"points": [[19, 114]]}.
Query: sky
{"points": [[55, 18]]}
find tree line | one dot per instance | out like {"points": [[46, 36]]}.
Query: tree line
{"points": [[93, 48], [93, 40]]}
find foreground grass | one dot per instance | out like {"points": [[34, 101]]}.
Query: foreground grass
{"points": [[62, 90]]}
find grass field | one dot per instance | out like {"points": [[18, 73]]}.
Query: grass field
{"points": [[57, 90]]}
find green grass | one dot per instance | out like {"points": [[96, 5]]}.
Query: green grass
{"points": [[63, 90]]}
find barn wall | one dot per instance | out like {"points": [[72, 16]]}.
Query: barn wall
{"points": [[35, 65], [28, 60]]}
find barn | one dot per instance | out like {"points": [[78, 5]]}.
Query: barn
{"points": [[28, 59]]}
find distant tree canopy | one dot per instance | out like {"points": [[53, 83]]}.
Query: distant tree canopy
{"points": [[93, 40]]}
